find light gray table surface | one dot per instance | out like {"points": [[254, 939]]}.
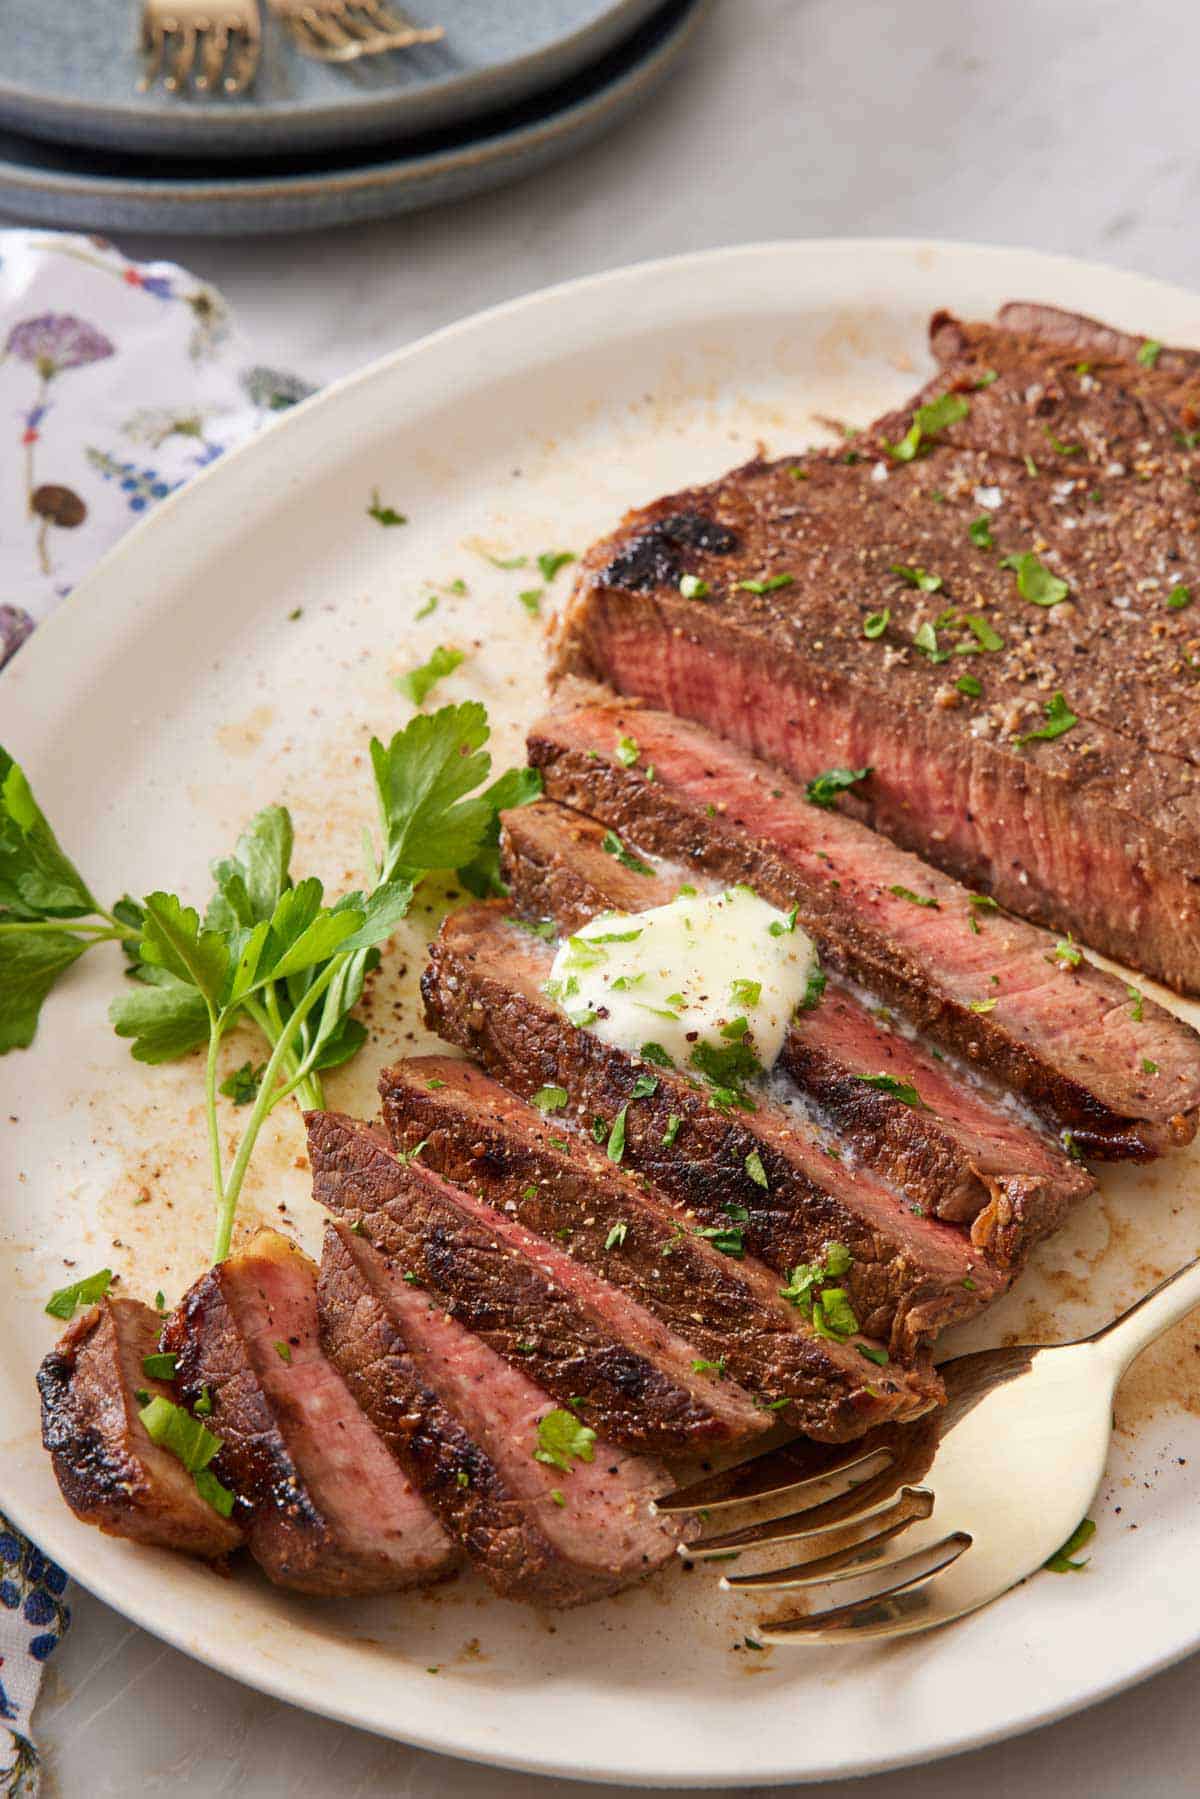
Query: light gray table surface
{"points": [[1066, 124]]}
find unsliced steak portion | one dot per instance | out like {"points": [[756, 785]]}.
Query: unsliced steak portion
{"points": [[329, 1510], [109, 1470], [547, 1174], [577, 1337], [910, 1276], [842, 596], [963, 1154], [463, 1423], [1093, 1057]]}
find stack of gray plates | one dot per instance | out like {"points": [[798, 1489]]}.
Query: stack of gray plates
{"points": [[513, 85]]}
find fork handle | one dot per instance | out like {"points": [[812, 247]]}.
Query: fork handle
{"points": [[1164, 1305]]}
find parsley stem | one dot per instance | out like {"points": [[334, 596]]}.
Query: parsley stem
{"points": [[75, 927], [215, 1033], [262, 1105]]}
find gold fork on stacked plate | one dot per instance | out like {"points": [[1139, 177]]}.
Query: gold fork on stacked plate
{"points": [[344, 30], [213, 45]]}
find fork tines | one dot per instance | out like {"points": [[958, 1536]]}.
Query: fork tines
{"points": [[344, 30], [213, 45]]}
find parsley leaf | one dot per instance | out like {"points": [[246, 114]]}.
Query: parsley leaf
{"points": [[876, 623], [1179, 597], [616, 1137], [983, 632], [824, 788], [563, 1440], [1060, 1562], [550, 1099], [550, 561], [243, 1084], [83, 1292], [1148, 356], [980, 532], [755, 1169], [928, 422], [1035, 582], [611, 844], [916, 577], [418, 682], [384, 515], [915, 899], [904, 1091], [1059, 718]]}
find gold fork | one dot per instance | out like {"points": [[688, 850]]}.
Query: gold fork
{"points": [[211, 43], [344, 30], [952, 1510]]}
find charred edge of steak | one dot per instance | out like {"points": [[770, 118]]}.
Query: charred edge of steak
{"points": [[555, 1186], [653, 558]]}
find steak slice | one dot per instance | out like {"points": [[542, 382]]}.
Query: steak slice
{"points": [[480, 1135], [1093, 828], [464, 1424], [1093, 1057], [329, 1511], [577, 1337], [109, 1470], [910, 1275], [963, 1155]]}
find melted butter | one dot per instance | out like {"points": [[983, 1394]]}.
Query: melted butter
{"points": [[721, 969]]}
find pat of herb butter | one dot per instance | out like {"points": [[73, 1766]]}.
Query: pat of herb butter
{"points": [[704, 969]]}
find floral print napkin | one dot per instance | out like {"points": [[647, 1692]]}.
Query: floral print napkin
{"points": [[118, 380]]}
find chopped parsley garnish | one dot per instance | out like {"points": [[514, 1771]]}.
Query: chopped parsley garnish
{"points": [[824, 788], [783, 927], [213, 1493], [980, 532], [916, 899], [616, 1136], [160, 1367], [1031, 467], [284, 1351], [203, 1406], [1060, 1562], [461, 1477], [550, 561], [1149, 1067], [985, 636], [700, 1366], [876, 623], [814, 992], [745, 993], [506, 562], [563, 1440], [1135, 1011], [1056, 444], [529, 1192], [692, 587], [1035, 582], [727, 1068], [735, 1028], [725, 1237], [384, 515], [531, 598], [558, 1496], [627, 751], [600, 1130], [916, 577], [418, 682], [987, 377], [672, 1130], [755, 1169], [1059, 718], [549, 1098], [979, 902], [243, 1084], [929, 422], [827, 1306], [904, 1091], [544, 928], [644, 1087], [969, 685], [874, 1352], [611, 844], [925, 639], [429, 607], [983, 1005], [1148, 356], [770, 585], [1068, 952], [191, 1443], [654, 1052], [1179, 597], [616, 1235], [84, 1292]]}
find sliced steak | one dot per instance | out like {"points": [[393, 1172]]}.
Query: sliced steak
{"points": [[963, 1154], [463, 1423], [1093, 1057], [1092, 826], [577, 1337], [109, 1470], [562, 1186], [910, 1275], [328, 1509]]}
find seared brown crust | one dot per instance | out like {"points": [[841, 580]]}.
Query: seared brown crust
{"points": [[466, 1488], [911, 1276], [313, 1544], [964, 1157], [1097, 830], [109, 1471], [558, 1184], [585, 1346], [1101, 1089]]}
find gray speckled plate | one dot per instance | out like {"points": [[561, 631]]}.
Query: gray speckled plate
{"points": [[52, 185], [68, 72]]}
